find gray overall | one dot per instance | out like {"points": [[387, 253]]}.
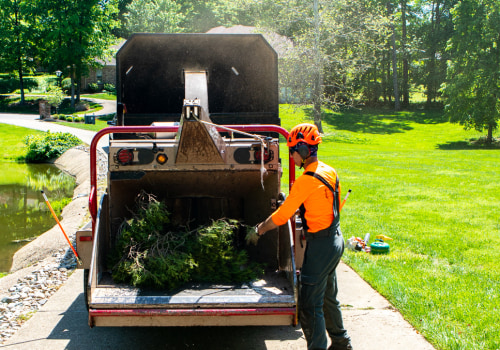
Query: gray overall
{"points": [[319, 308]]}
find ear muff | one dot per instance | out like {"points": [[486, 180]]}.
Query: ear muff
{"points": [[304, 151]]}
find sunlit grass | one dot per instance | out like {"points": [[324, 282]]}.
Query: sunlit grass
{"points": [[100, 123], [416, 178], [13, 147]]}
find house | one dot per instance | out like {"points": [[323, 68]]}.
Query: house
{"points": [[105, 74]]}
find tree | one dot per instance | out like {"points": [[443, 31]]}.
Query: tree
{"points": [[434, 27], [169, 16], [75, 35], [202, 15], [334, 45], [160, 16], [17, 35], [472, 90], [55, 96], [394, 59]]}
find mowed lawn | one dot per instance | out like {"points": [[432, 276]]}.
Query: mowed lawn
{"points": [[12, 141], [416, 178]]}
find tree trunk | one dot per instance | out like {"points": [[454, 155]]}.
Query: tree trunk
{"points": [[72, 91], [397, 107], [21, 81], [432, 70], [489, 138], [405, 85], [78, 89], [318, 81], [18, 49], [317, 102]]}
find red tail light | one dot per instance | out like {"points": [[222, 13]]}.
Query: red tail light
{"points": [[268, 155], [125, 156]]}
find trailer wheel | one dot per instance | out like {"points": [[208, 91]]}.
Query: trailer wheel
{"points": [[85, 287]]}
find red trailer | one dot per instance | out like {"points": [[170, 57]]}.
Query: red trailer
{"points": [[197, 126]]}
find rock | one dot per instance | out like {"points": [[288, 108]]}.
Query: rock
{"points": [[38, 295]]}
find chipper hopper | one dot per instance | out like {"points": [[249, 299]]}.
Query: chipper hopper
{"points": [[198, 128]]}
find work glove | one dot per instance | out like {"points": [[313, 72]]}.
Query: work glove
{"points": [[252, 237]]}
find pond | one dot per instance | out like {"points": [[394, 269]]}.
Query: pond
{"points": [[24, 215]]}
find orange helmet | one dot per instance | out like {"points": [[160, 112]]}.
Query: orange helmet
{"points": [[307, 133]]}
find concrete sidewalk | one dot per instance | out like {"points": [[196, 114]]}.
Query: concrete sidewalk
{"points": [[62, 324]]}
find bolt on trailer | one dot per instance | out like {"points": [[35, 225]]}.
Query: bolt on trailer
{"points": [[198, 127]]}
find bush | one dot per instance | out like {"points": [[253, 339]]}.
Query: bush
{"points": [[82, 107], [93, 87], [55, 96], [42, 148], [10, 84], [66, 85], [110, 88]]}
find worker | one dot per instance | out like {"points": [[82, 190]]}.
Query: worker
{"points": [[316, 193]]}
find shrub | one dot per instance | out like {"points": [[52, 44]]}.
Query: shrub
{"points": [[41, 148], [55, 96], [82, 106], [110, 88], [66, 85], [8, 84], [93, 87]]}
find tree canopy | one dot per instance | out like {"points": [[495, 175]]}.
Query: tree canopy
{"points": [[342, 53], [473, 85]]}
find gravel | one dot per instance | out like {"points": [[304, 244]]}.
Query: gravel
{"points": [[33, 290]]}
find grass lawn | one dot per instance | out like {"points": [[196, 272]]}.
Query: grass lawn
{"points": [[10, 104], [416, 178], [12, 140], [100, 96], [100, 123]]}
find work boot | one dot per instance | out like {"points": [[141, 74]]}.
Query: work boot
{"points": [[346, 346]]}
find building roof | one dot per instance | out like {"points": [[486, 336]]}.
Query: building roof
{"points": [[111, 61]]}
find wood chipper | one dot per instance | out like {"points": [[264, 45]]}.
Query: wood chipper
{"points": [[198, 127]]}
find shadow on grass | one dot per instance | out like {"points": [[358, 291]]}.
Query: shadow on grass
{"points": [[11, 104], [378, 121], [468, 145]]}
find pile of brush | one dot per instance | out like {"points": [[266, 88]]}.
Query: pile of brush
{"points": [[151, 252]]}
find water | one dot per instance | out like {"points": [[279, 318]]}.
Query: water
{"points": [[24, 214]]}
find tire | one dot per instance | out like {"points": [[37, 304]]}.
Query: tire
{"points": [[85, 287]]}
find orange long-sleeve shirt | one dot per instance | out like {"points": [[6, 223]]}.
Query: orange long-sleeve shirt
{"points": [[317, 198]]}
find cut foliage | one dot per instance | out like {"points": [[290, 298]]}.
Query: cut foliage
{"points": [[151, 252]]}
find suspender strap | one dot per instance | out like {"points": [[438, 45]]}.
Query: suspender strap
{"points": [[336, 196]]}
